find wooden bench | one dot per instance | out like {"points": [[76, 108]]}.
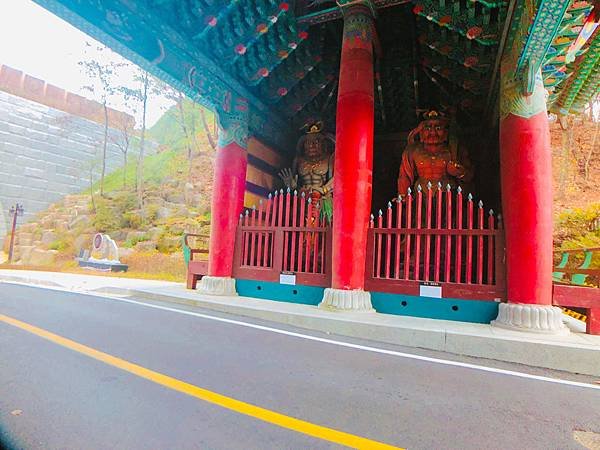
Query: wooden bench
{"points": [[196, 267]]}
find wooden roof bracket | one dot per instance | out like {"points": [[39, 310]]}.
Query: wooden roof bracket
{"points": [[491, 97]]}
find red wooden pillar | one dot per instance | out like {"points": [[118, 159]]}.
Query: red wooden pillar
{"points": [[228, 196], [526, 177], [353, 160]]}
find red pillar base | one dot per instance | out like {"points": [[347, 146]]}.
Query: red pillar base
{"points": [[542, 319], [346, 300], [217, 286]]}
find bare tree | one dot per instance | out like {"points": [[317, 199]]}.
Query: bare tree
{"points": [[207, 130], [186, 118], [90, 167], [565, 154], [123, 141], [147, 86], [593, 149], [186, 134], [101, 77]]}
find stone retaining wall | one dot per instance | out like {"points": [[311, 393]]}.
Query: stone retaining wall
{"points": [[46, 153]]}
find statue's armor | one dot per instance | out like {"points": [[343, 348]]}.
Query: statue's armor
{"points": [[431, 167], [313, 174], [420, 167]]}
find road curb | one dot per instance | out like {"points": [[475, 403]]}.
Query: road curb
{"points": [[512, 347], [31, 281]]}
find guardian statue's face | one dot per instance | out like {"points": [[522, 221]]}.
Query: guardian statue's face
{"points": [[434, 131], [314, 146]]}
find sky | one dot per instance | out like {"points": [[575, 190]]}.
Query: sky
{"points": [[42, 45]]}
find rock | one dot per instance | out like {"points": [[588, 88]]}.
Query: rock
{"points": [[83, 241], [119, 235], [61, 225], [188, 192], [25, 252], [183, 211], [80, 221], [154, 201], [176, 197], [170, 182], [48, 237], [47, 221], [41, 257], [145, 246], [80, 210], [24, 238], [70, 200], [155, 233], [125, 253], [201, 203], [163, 213], [27, 227]]}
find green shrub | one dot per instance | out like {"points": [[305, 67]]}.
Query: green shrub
{"points": [[574, 224], [168, 243], [106, 220], [151, 213], [60, 244], [134, 240], [124, 201], [132, 220]]}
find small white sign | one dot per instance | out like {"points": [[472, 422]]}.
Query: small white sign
{"points": [[287, 278], [426, 290]]}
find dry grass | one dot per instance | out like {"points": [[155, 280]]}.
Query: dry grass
{"points": [[144, 266], [150, 265]]}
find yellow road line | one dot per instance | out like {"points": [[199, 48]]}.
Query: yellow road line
{"points": [[291, 423]]}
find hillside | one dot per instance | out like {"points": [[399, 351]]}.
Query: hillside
{"points": [[576, 168], [576, 173], [177, 186]]}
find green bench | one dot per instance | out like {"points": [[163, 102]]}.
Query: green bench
{"points": [[575, 275]]}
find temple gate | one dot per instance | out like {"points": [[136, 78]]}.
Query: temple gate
{"points": [[486, 73]]}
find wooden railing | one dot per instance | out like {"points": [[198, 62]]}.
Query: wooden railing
{"points": [[436, 237], [284, 235], [576, 285], [574, 267]]}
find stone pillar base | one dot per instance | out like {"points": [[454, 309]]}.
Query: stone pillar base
{"points": [[531, 318], [346, 300], [217, 286]]}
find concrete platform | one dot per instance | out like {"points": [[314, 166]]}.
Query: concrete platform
{"points": [[575, 353]]}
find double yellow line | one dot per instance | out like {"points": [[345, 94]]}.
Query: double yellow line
{"points": [[266, 415]]}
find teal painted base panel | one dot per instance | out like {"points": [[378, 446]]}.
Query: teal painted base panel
{"points": [[401, 305], [307, 295], [477, 311]]}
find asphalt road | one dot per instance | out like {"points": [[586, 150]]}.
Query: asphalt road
{"points": [[56, 395]]}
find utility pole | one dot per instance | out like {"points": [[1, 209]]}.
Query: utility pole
{"points": [[14, 211]]}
